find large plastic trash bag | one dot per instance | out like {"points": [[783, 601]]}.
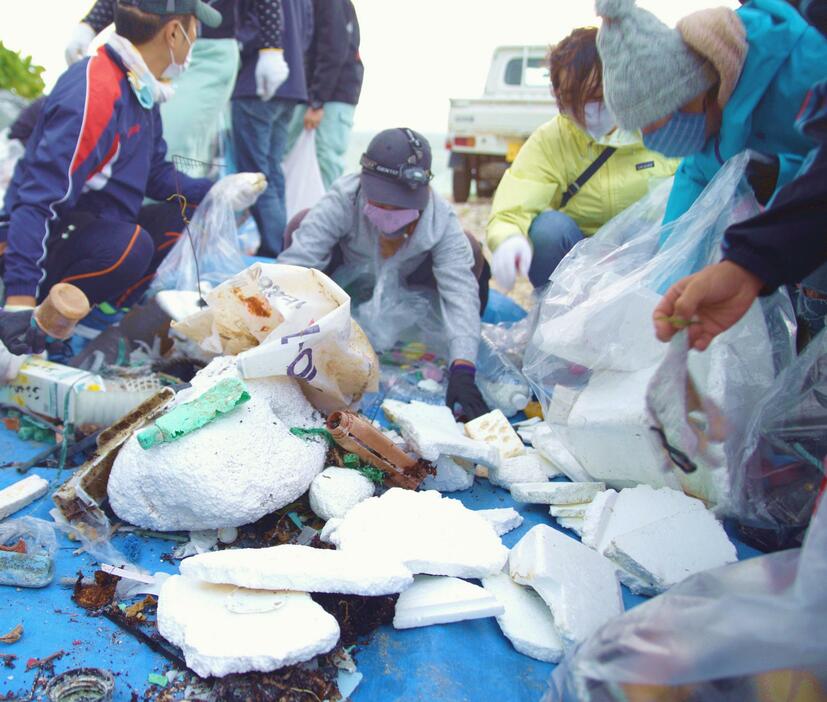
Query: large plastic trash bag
{"points": [[303, 184], [593, 353], [754, 630]]}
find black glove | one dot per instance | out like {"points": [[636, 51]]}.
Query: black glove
{"points": [[19, 335], [463, 390]]}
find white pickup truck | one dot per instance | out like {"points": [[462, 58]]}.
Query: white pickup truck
{"points": [[485, 134]]}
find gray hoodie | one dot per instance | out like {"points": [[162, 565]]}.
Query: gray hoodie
{"points": [[338, 219]]}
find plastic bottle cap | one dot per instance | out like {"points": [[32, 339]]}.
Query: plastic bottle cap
{"points": [[520, 401]]}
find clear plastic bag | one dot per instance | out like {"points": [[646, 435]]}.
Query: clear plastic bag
{"points": [[303, 182], [38, 534], [752, 630], [499, 380]]}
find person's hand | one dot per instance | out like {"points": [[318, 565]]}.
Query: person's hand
{"points": [[511, 257], [271, 71], [241, 189], [10, 364], [79, 42], [19, 334], [462, 390], [313, 118], [708, 303]]}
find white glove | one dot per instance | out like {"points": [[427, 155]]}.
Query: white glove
{"points": [[9, 364], [241, 189], [79, 42], [271, 71], [511, 257]]}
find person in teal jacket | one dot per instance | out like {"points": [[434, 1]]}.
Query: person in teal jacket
{"points": [[723, 81]]}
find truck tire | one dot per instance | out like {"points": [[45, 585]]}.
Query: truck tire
{"points": [[461, 183]]}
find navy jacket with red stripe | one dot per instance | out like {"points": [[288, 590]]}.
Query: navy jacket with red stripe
{"points": [[94, 149]]}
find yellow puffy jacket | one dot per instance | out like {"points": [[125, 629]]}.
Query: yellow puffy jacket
{"points": [[552, 159]]}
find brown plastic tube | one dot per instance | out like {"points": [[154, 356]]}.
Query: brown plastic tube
{"points": [[62, 309]]}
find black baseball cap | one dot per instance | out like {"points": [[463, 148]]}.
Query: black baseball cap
{"points": [[396, 169], [202, 10]]}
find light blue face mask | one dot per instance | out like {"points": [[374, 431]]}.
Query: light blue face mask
{"points": [[683, 135]]}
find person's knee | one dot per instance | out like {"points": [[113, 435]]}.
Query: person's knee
{"points": [[553, 228], [135, 259]]}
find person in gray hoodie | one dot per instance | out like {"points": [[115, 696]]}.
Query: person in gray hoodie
{"points": [[389, 213]]}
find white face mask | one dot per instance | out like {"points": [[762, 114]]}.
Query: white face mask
{"points": [[176, 69], [599, 119]]}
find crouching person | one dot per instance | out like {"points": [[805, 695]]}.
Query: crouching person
{"points": [[389, 210], [73, 211]]}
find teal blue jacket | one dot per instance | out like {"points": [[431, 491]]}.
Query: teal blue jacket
{"points": [[786, 58]]}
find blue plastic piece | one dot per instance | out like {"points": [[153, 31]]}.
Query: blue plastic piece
{"points": [[502, 309]]}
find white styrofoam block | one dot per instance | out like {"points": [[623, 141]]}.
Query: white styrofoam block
{"points": [[301, 568], [432, 432], [548, 442], [450, 476], [574, 524], [546, 493], [527, 622], [596, 518], [576, 582], [230, 472], [519, 469], [223, 629], [427, 532], [494, 429], [17, 495], [335, 490], [503, 519], [551, 470], [327, 530], [575, 510], [667, 551], [439, 600]]}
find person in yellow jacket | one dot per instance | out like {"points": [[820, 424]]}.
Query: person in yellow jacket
{"points": [[534, 221]]}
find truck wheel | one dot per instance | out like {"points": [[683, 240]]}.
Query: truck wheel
{"points": [[462, 183]]}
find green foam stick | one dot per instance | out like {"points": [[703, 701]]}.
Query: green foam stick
{"points": [[221, 398]]}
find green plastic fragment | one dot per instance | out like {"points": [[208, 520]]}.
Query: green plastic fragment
{"points": [[156, 679], [351, 460], [296, 519], [312, 433], [190, 416]]}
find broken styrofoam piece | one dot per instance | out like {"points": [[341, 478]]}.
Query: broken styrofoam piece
{"points": [[669, 550], [427, 532], [503, 519], [546, 493], [574, 524], [335, 490], [327, 530], [519, 469], [548, 442], [200, 542], [231, 472], [432, 432], [577, 583], [495, 430], [450, 476], [612, 513], [227, 535], [527, 622], [301, 568], [440, 600], [223, 629], [576, 510], [17, 495]]}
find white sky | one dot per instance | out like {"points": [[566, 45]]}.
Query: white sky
{"points": [[417, 54]]}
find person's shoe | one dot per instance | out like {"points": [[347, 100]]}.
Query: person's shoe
{"points": [[101, 317]]}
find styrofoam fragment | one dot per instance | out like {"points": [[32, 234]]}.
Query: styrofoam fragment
{"points": [[546, 465], [577, 583], [576, 510], [427, 532], [432, 432], [667, 551], [546, 493], [494, 429], [503, 519], [548, 442], [525, 423], [327, 530], [17, 495], [527, 622], [440, 600], [519, 469], [450, 476], [223, 629], [301, 568], [335, 490], [574, 524]]}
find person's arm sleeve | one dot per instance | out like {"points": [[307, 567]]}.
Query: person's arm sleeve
{"points": [[788, 241], [532, 184], [330, 48], [271, 23], [689, 183], [458, 291], [101, 15], [788, 167]]}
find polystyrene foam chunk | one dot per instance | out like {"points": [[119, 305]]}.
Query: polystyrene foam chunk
{"points": [[546, 493], [673, 548], [494, 429], [223, 629], [574, 524], [327, 530], [576, 510], [439, 600], [577, 583], [432, 432], [302, 568], [527, 622], [335, 490], [548, 442], [17, 495], [450, 476], [503, 520], [519, 469], [427, 532]]}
